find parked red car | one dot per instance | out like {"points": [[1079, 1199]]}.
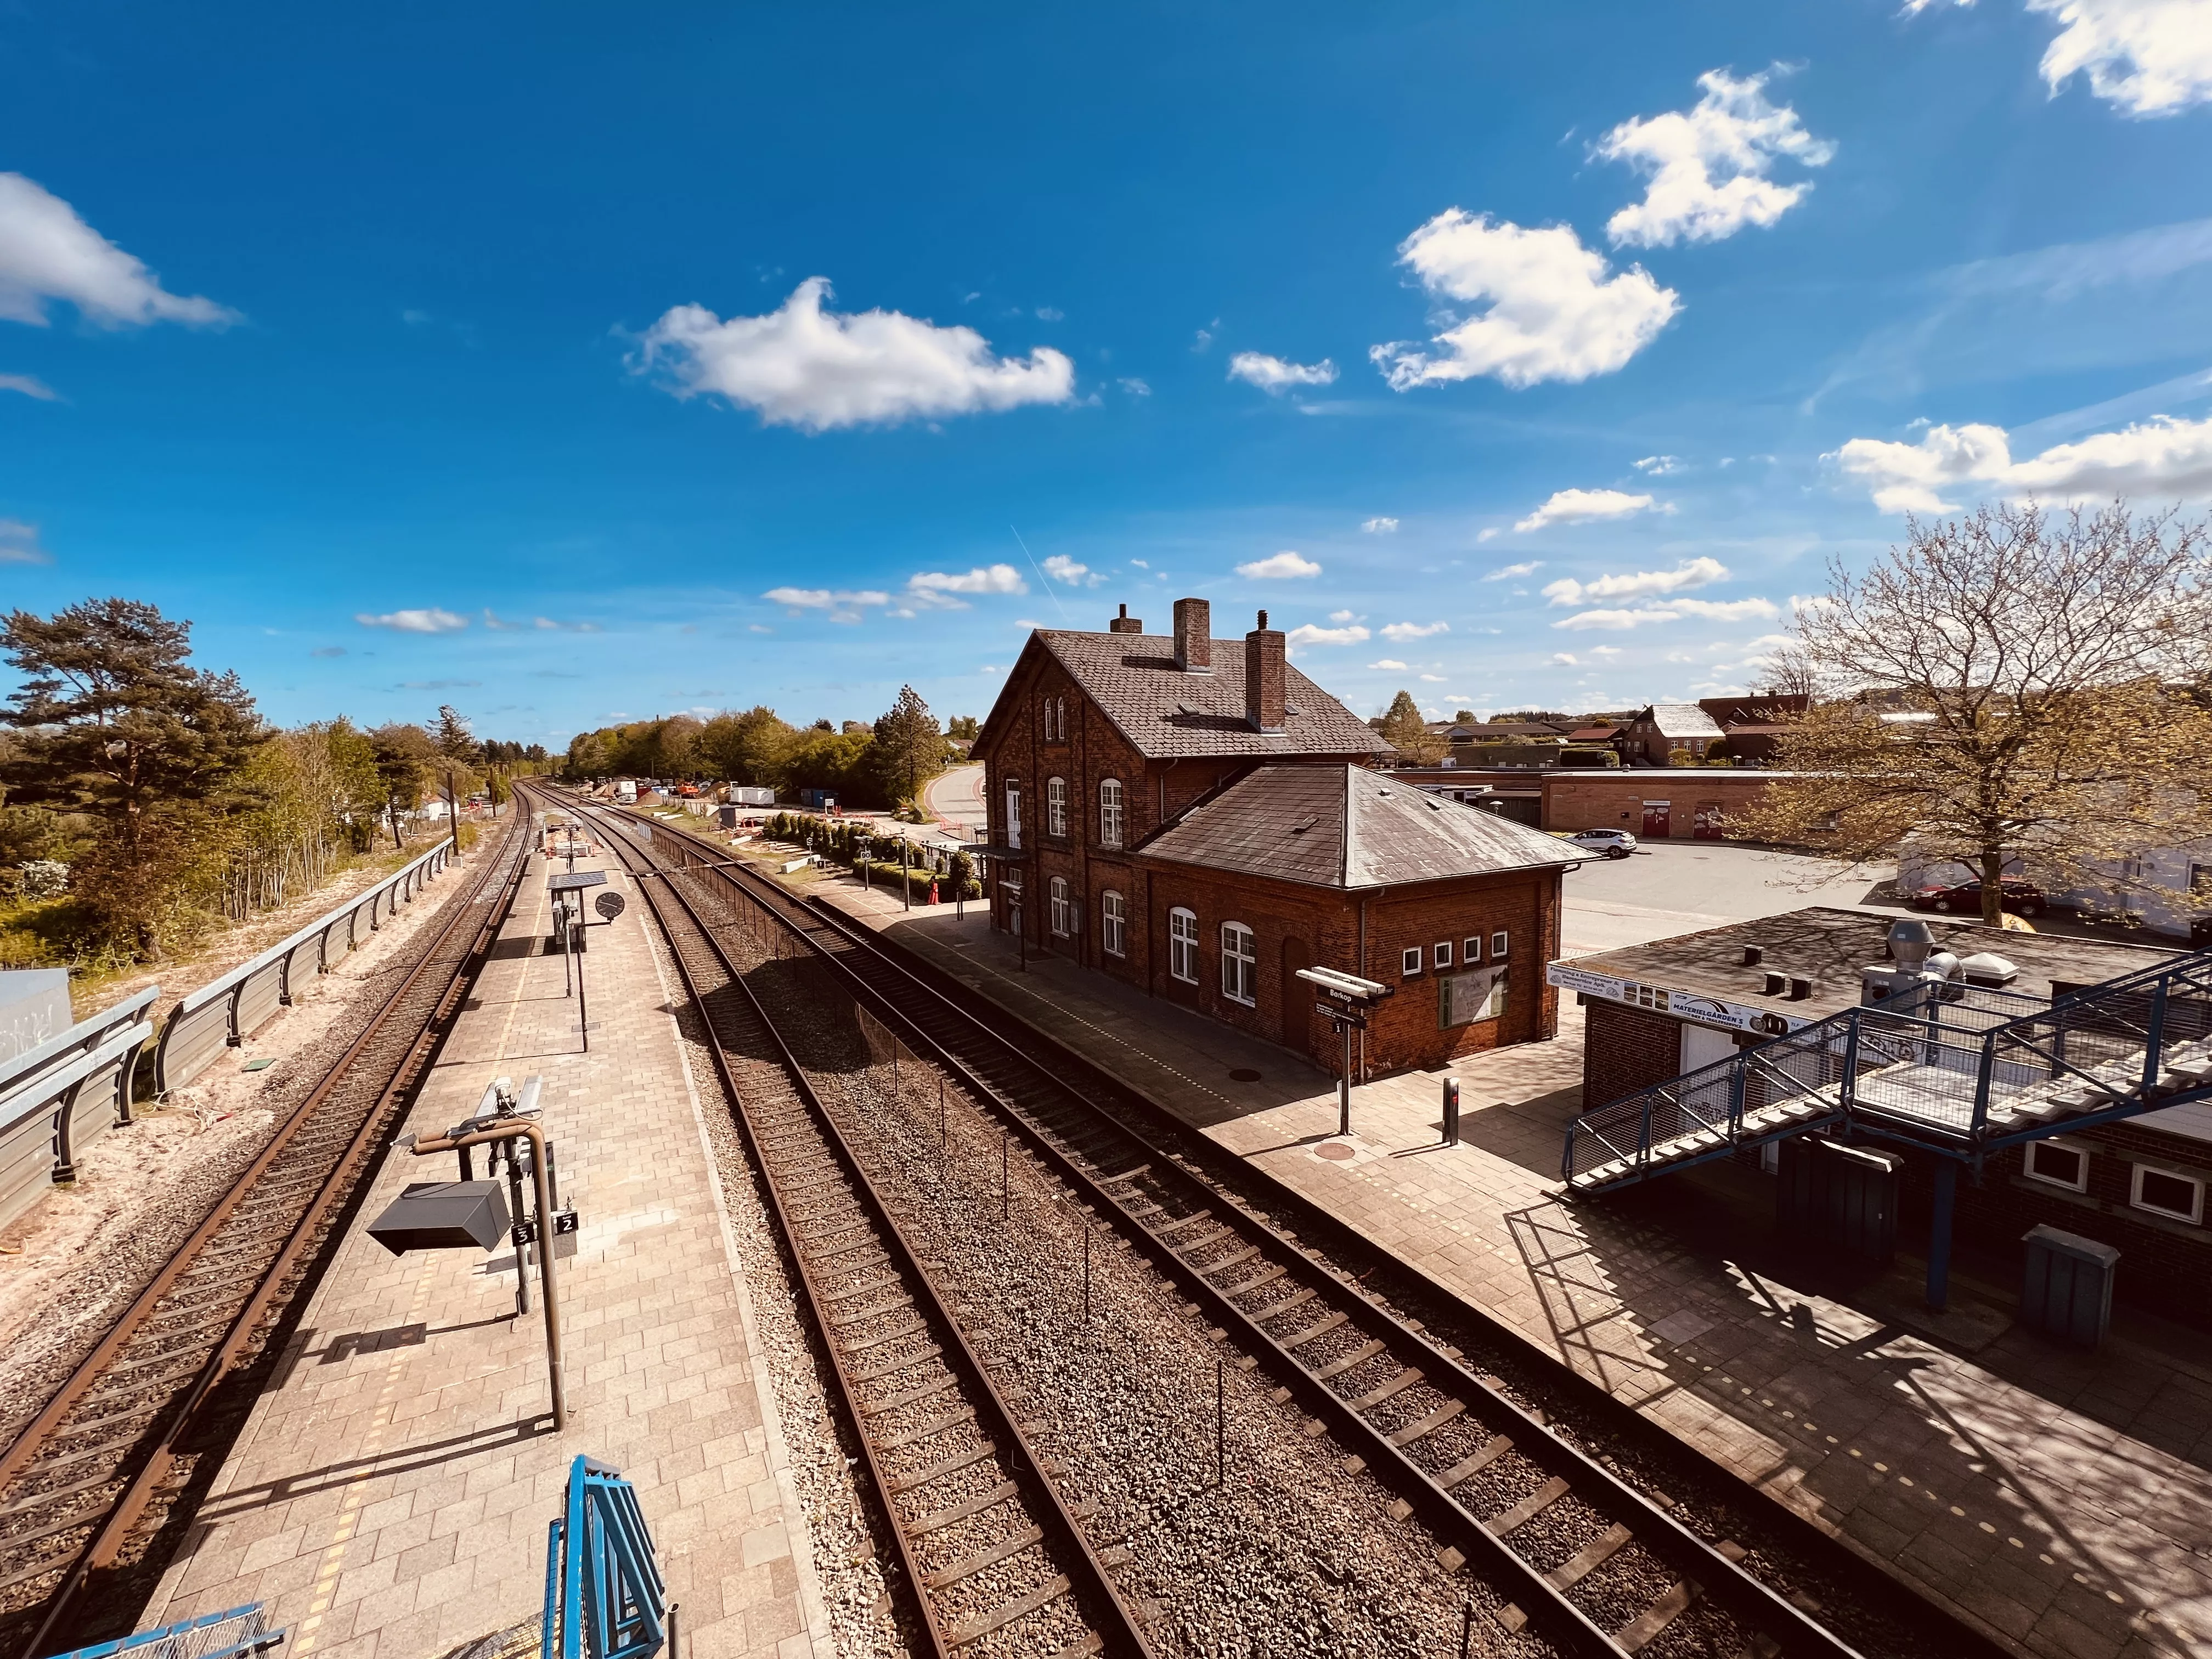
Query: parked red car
{"points": [[2020, 897]]}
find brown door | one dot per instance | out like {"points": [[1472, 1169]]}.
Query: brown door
{"points": [[1654, 818], [1298, 1002]]}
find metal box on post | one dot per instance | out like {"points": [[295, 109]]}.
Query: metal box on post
{"points": [[2066, 1290], [1837, 1195], [443, 1215]]}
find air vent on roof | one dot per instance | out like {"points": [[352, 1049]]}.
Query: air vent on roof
{"points": [[1292, 708], [1300, 829], [1988, 968], [1382, 791]]}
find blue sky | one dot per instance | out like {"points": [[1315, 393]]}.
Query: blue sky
{"points": [[573, 363]]}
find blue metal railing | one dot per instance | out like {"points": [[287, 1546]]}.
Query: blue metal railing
{"points": [[604, 1596], [238, 1633], [1961, 1068]]}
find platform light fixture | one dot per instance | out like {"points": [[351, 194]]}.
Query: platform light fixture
{"points": [[1351, 1000]]}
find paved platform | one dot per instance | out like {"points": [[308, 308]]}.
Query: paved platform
{"points": [[2061, 1501], [390, 1496]]}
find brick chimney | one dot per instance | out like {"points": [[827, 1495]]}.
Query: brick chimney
{"points": [[1267, 681], [1124, 623], [1194, 636]]}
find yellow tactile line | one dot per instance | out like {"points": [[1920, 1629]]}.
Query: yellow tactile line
{"points": [[369, 1448]]}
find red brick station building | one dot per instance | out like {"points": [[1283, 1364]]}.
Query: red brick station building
{"points": [[1195, 818]]}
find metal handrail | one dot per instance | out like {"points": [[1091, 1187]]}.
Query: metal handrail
{"points": [[1911, 1029]]}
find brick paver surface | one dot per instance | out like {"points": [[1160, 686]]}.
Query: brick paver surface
{"points": [[390, 1496], [2013, 1499]]}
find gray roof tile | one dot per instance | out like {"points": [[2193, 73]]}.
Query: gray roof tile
{"points": [[1349, 828]]}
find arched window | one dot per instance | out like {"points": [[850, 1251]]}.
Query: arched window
{"points": [[1013, 814], [1183, 945], [1056, 806], [1059, 717], [1113, 924], [1063, 913], [1110, 812], [1240, 963]]}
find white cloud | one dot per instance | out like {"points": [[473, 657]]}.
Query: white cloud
{"points": [[1275, 376], [1387, 662], [1616, 620], [1140, 564], [1564, 660], [1659, 465], [1051, 314], [1708, 165], [544, 622], [1309, 635], [47, 253], [1399, 633], [1380, 526], [2161, 458], [30, 385], [805, 366], [937, 590], [1554, 313], [430, 621], [1437, 679], [1586, 506], [1509, 572], [1691, 572], [1278, 567], [1135, 386], [1726, 609], [1605, 651], [758, 627], [841, 605], [1343, 616], [1061, 569], [19, 543], [2143, 56]]}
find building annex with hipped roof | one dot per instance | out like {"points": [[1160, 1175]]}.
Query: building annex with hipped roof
{"points": [[1196, 818]]}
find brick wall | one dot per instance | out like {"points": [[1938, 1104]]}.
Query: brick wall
{"points": [[1615, 799], [1626, 1049], [2166, 1265]]}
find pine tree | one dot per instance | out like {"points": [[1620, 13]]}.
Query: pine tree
{"points": [[909, 745], [1405, 731]]}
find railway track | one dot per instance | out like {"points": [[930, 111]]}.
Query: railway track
{"points": [[1595, 1564], [89, 1483], [991, 1560]]}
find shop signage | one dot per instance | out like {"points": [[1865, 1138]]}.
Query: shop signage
{"points": [[1464, 998], [1693, 1005]]}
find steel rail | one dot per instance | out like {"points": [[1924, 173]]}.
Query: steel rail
{"points": [[1716, 1575], [146, 1458], [1122, 1633]]}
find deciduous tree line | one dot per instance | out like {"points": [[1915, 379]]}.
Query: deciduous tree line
{"points": [[885, 764], [143, 799]]}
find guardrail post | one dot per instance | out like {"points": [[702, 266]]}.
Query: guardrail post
{"points": [[1847, 1092], [1736, 1099], [1983, 1070], [1643, 1133], [237, 1038], [2155, 1041], [64, 1154]]}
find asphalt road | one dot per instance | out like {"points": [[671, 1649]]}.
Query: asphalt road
{"points": [[956, 795], [1680, 886]]}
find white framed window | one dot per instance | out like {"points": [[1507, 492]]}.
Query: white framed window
{"points": [[1240, 963], [1470, 951], [1014, 815], [1063, 913], [1056, 806], [1110, 812], [1059, 717], [1044, 720], [2059, 1163], [1113, 924], [1409, 962], [1498, 942], [1183, 945], [1442, 953], [2163, 1192]]}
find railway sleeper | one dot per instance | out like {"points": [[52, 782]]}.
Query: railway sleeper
{"points": [[1004, 1550], [1359, 1357], [935, 1426], [943, 1467], [1642, 1631], [938, 1520], [982, 1625]]}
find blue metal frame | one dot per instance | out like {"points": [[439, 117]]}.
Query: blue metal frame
{"points": [[604, 1596]]}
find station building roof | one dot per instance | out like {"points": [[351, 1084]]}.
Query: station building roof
{"points": [[1167, 714], [1348, 827], [1829, 945]]}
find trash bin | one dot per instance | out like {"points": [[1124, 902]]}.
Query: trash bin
{"points": [[2066, 1290]]}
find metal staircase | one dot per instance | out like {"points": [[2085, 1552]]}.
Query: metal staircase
{"points": [[1959, 1070], [604, 1596]]}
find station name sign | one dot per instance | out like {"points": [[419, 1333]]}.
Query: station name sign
{"points": [[1694, 1006]]}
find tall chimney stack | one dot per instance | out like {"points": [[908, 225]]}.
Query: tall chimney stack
{"points": [[1124, 623], [1194, 636], [1266, 680]]}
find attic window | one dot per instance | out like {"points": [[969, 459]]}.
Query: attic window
{"points": [[1292, 708], [1436, 806], [1300, 829]]}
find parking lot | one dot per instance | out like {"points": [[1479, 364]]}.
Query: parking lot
{"points": [[1680, 886]]}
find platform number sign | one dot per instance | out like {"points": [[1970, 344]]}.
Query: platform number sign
{"points": [[1466, 998]]}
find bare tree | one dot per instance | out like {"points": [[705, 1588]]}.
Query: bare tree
{"points": [[2009, 686]]}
